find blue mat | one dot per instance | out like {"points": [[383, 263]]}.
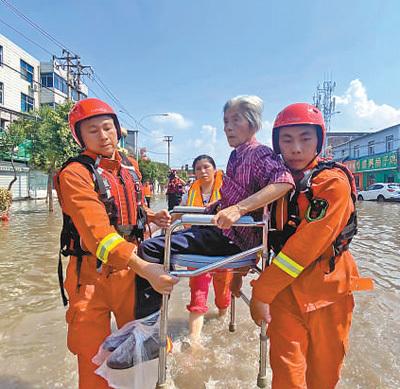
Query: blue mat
{"points": [[197, 261]]}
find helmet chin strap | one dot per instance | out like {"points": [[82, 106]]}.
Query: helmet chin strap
{"points": [[295, 171]]}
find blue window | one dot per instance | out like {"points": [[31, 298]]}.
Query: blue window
{"points": [[60, 83], [26, 71], [53, 80], [74, 94], [47, 80], [1, 93], [27, 103], [1, 56]]}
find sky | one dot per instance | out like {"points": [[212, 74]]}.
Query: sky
{"points": [[187, 58]]}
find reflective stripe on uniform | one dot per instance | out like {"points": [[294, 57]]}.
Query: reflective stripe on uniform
{"points": [[287, 265], [192, 195], [106, 245]]}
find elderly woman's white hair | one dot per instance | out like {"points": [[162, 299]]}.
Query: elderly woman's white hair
{"points": [[251, 107]]}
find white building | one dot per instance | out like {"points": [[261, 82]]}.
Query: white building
{"points": [[19, 81], [54, 89], [25, 84]]}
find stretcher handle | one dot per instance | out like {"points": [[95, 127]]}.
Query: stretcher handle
{"points": [[205, 220], [188, 209]]}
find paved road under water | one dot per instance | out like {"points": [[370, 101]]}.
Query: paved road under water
{"points": [[33, 353]]}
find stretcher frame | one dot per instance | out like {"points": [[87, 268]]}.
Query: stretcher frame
{"points": [[196, 216]]}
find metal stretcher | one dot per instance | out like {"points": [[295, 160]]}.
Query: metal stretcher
{"points": [[205, 264]]}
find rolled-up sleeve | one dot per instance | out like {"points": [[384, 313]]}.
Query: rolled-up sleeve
{"points": [[270, 168]]}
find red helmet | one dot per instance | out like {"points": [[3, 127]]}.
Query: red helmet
{"points": [[298, 114], [88, 108]]}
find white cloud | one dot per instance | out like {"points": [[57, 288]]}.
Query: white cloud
{"points": [[265, 134], [210, 131], [360, 113], [174, 119], [205, 142]]}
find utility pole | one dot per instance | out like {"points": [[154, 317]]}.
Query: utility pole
{"points": [[81, 70], [168, 139], [135, 143], [75, 71]]}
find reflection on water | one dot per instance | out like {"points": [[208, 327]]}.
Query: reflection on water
{"points": [[33, 353]]}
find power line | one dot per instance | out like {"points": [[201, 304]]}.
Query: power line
{"points": [[34, 81], [27, 38], [98, 80], [96, 77], [20, 14], [154, 152]]}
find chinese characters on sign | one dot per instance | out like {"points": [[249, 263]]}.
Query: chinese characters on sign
{"points": [[384, 161]]}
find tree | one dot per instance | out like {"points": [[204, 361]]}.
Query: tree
{"points": [[52, 142], [10, 139], [153, 171]]}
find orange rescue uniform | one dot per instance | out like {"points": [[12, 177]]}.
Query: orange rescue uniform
{"points": [[108, 289], [147, 190], [311, 306]]}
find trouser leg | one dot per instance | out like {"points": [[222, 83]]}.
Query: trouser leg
{"points": [[221, 282], [199, 287], [288, 344], [88, 319], [329, 334]]}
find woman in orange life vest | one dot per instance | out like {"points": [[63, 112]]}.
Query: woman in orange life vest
{"points": [[104, 274], [204, 191], [305, 295]]}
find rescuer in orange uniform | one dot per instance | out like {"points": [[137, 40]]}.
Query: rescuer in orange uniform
{"points": [[100, 194], [305, 295], [148, 192]]}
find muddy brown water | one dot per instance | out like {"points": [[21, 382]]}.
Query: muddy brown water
{"points": [[33, 352]]}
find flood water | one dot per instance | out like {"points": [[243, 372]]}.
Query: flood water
{"points": [[33, 351]]}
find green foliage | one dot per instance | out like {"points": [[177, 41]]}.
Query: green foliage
{"points": [[52, 142], [184, 175], [154, 171], [11, 138], [45, 135], [5, 200]]}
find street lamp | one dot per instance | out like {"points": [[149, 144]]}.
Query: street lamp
{"points": [[138, 125]]}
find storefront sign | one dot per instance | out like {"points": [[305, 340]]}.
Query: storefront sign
{"points": [[351, 165], [381, 162]]}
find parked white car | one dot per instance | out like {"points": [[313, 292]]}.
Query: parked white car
{"points": [[385, 191]]}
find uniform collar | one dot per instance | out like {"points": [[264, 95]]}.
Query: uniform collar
{"points": [[298, 175], [106, 163]]}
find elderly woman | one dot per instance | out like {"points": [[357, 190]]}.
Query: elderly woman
{"points": [[255, 176]]}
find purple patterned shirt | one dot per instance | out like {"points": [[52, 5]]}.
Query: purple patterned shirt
{"points": [[251, 167]]}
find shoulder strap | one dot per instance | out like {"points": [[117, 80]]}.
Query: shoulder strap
{"points": [[126, 163]]}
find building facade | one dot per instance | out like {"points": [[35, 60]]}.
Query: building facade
{"points": [[373, 157], [55, 88], [25, 84], [19, 82]]}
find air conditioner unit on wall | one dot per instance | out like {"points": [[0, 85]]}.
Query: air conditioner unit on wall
{"points": [[33, 88]]}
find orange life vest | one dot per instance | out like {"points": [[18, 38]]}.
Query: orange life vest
{"points": [[147, 190], [195, 197], [121, 195]]}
